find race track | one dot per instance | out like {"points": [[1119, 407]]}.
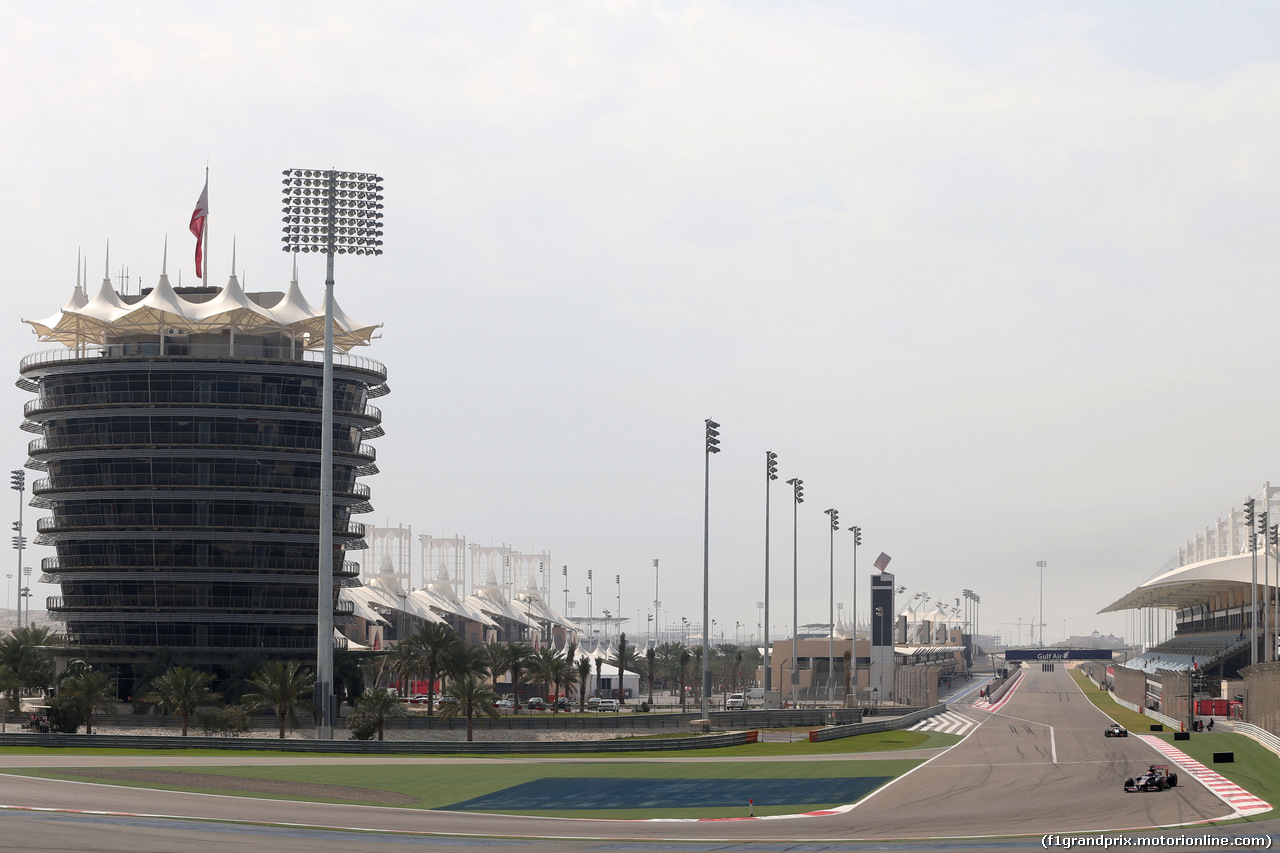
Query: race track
{"points": [[1039, 765]]}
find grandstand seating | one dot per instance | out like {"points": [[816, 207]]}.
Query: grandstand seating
{"points": [[1180, 653]]}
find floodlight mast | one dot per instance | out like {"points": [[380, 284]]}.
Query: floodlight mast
{"points": [[335, 213]]}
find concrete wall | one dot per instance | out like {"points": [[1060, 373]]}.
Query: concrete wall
{"points": [[1131, 685], [1262, 696]]}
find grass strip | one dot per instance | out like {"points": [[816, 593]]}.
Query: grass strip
{"points": [[874, 742], [1256, 768], [436, 786]]}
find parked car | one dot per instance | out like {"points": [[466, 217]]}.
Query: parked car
{"points": [[504, 704], [441, 701], [563, 704], [593, 702], [536, 703], [736, 702], [608, 705]]}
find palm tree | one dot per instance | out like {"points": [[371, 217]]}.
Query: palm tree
{"points": [[668, 655], [471, 694], [463, 660], [162, 660], [182, 689], [348, 675], [624, 657], [242, 668], [431, 644], [584, 678], [21, 654], [404, 664], [284, 687], [568, 678], [650, 656], [550, 669], [93, 690], [599, 674], [380, 704], [514, 658]]}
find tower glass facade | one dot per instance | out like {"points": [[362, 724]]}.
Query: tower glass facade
{"points": [[182, 476]]}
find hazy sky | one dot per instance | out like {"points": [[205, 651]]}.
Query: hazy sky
{"points": [[994, 279]]}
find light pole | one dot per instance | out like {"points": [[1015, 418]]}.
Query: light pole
{"points": [[831, 606], [770, 474], [334, 213], [857, 540], [1265, 529], [564, 572], [617, 580], [26, 591], [657, 618], [18, 480], [1040, 564], [591, 623], [1250, 520], [711, 445], [797, 495], [1273, 537]]}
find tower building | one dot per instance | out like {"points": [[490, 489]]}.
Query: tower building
{"points": [[178, 432]]}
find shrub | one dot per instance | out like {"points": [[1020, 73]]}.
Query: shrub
{"points": [[362, 725], [66, 714], [231, 721]]}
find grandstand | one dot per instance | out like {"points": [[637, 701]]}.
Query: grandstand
{"points": [[1211, 600]]}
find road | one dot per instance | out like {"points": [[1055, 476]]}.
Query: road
{"points": [[1040, 765]]}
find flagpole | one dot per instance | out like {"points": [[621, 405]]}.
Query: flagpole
{"points": [[204, 236]]}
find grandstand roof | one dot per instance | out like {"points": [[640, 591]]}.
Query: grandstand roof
{"points": [[1190, 584]]}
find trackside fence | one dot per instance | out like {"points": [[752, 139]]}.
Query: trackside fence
{"points": [[374, 747]]}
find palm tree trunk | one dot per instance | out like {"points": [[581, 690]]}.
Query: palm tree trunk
{"points": [[380, 722], [185, 712], [280, 716], [469, 738]]}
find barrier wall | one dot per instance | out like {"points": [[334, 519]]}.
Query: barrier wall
{"points": [[1262, 696], [1131, 686], [374, 747], [835, 732]]}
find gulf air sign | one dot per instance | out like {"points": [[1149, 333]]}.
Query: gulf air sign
{"points": [[1057, 654]]}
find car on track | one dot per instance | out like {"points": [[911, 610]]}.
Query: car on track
{"points": [[1157, 778], [1116, 730]]}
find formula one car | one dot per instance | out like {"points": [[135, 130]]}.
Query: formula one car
{"points": [[1157, 778], [1116, 730]]}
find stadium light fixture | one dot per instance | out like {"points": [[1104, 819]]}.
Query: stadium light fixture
{"points": [[335, 213]]}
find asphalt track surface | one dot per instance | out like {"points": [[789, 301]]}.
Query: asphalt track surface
{"points": [[1039, 765]]}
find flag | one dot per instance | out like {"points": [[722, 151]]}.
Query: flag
{"points": [[882, 562], [197, 227]]}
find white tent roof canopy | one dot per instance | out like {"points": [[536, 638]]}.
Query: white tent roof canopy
{"points": [[1189, 585], [106, 317]]}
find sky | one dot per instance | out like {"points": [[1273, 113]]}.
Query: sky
{"points": [[994, 279]]}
